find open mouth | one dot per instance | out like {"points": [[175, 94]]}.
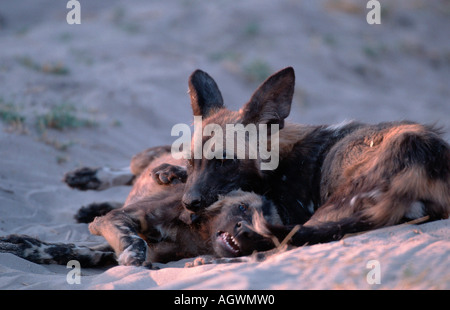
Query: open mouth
{"points": [[228, 241]]}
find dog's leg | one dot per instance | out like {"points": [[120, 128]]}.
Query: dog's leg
{"points": [[87, 214], [141, 160], [255, 257], [41, 252], [87, 178], [99, 179], [313, 232], [121, 230]]}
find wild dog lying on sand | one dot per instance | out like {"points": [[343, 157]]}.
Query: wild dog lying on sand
{"points": [[150, 231], [153, 226], [350, 176]]}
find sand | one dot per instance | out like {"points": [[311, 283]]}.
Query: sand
{"points": [[122, 77]]}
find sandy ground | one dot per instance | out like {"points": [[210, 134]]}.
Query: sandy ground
{"points": [[119, 81]]}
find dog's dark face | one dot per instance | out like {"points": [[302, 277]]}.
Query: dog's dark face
{"points": [[209, 178], [241, 227]]}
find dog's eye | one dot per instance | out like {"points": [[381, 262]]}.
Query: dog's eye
{"points": [[243, 207]]}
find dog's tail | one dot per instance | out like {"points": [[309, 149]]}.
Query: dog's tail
{"points": [[40, 252]]}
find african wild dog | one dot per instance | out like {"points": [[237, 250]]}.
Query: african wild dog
{"points": [[153, 226], [150, 230], [340, 178]]}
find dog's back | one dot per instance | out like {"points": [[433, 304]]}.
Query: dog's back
{"points": [[386, 173]]}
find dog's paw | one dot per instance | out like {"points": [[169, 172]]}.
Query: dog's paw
{"points": [[17, 244], [199, 261], [22, 246], [165, 174], [135, 254], [84, 178], [207, 260]]}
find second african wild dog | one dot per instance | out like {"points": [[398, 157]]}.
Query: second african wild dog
{"points": [[341, 178], [151, 230], [152, 225]]}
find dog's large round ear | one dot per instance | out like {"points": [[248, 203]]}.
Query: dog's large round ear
{"points": [[271, 102], [205, 94]]}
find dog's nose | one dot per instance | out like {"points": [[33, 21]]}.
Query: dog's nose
{"points": [[192, 202], [242, 229], [242, 226], [193, 205]]}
